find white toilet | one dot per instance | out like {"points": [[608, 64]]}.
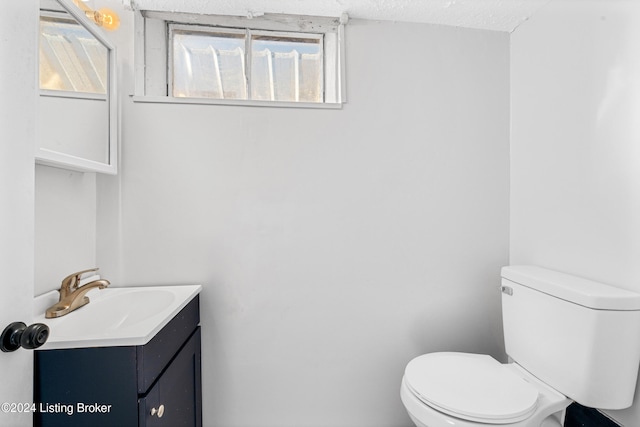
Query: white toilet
{"points": [[570, 339]]}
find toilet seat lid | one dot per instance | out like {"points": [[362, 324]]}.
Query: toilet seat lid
{"points": [[471, 386]]}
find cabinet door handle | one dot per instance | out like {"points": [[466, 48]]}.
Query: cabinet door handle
{"points": [[159, 411]]}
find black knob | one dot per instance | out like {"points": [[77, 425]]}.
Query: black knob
{"points": [[18, 334], [11, 337], [34, 336]]}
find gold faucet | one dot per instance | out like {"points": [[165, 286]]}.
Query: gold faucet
{"points": [[73, 296]]}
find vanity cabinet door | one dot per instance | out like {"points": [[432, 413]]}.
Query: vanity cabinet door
{"points": [[176, 398], [68, 382]]}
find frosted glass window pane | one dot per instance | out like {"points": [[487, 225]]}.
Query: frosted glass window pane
{"points": [[286, 69], [71, 59], [209, 65]]}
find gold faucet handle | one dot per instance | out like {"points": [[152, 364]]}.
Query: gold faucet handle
{"points": [[70, 283]]}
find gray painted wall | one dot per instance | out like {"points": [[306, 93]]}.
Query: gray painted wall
{"points": [[333, 246], [65, 225]]}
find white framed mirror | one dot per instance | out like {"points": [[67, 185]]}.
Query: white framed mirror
{"points": [[78, 126]]}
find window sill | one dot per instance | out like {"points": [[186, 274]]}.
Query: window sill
{"points": [[235, 102], [73, 95]]}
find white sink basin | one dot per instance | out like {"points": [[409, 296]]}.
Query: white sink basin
{"points": [[115, 316]]}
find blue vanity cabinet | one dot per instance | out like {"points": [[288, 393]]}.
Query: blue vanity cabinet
{"points": [[155, 384]]}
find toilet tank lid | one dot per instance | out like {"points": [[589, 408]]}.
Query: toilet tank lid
{"points": [[571, 288]]}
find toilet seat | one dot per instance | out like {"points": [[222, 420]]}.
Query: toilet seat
{"points": [[473, 387]]}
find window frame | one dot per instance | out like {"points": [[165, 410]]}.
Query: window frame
{"points": [[248, 52], [154, 61]]}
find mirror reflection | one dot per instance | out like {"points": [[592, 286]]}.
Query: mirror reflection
{"points": [[71, 58], [76, 104]]}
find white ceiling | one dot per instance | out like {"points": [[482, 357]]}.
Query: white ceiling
{"points": [[497, 15]]}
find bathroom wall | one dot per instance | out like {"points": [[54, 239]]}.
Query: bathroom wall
{"points": [[333, 245], [18, 42], [575, 175], [65, 225]]}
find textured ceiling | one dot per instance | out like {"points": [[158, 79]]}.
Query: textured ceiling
{"points": [[497, 15]]}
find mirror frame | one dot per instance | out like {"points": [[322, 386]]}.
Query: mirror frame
{"points": [[54, 158]]}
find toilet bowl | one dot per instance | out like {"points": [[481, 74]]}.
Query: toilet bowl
{"points": [[473, 390]]}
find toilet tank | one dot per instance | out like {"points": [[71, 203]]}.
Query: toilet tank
{"points": [[578, 336]]}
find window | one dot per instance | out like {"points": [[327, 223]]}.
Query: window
{"points": [[231, 59], [71, 58], [227, 64]]}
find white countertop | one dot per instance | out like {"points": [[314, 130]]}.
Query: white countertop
{"points": [[114, 316]]}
